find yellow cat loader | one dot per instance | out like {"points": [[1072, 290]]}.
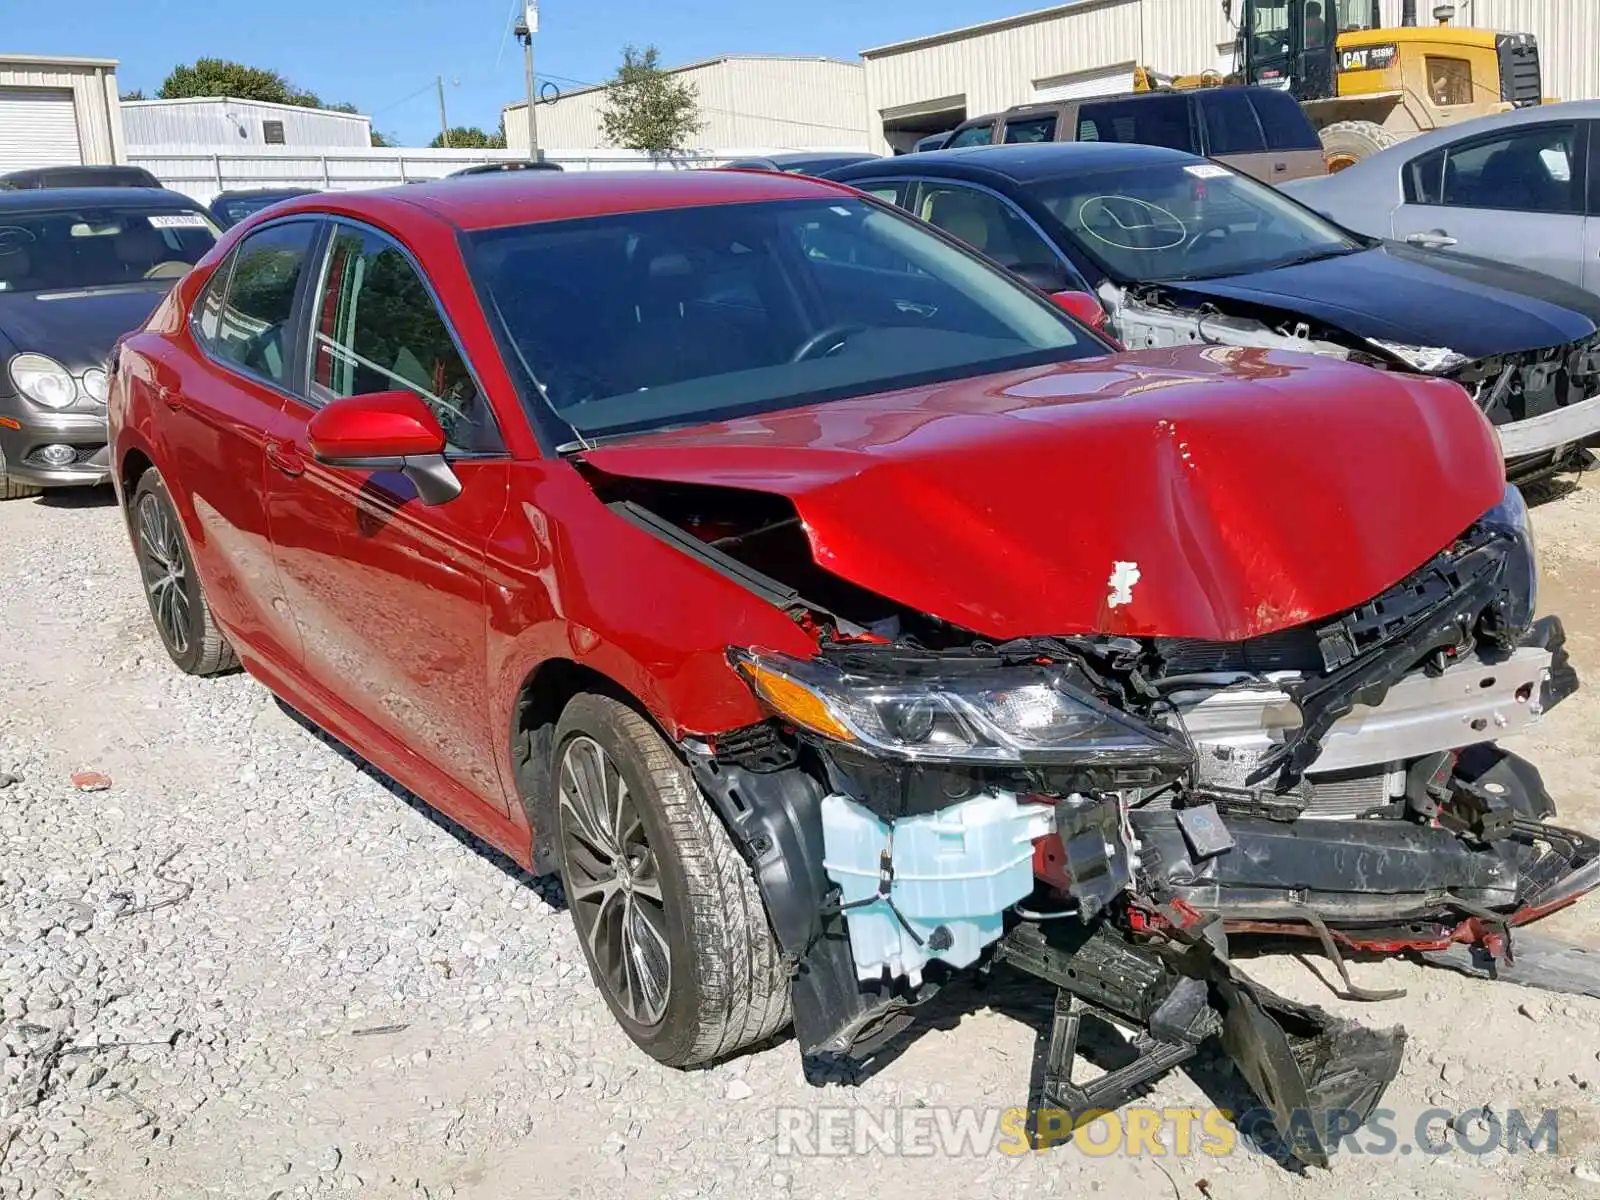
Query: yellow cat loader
{"points": [[1366, 87]]}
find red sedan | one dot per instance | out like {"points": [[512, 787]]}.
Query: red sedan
{"points": [[774, 567]]}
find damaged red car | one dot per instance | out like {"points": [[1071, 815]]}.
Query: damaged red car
{"points": [[836, 613]]}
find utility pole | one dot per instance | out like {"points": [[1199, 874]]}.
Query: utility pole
{"points": [[444, 123], [524, 31]]}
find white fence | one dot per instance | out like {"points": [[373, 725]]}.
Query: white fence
{"points": [[202, 172]]}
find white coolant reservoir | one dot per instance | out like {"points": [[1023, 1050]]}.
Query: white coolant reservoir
{"points": [[953, 874]]}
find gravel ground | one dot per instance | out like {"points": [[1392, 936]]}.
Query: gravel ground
{"points": [[252, 967]]}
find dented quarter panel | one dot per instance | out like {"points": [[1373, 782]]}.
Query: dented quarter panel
{"points": [[1232, 481]]}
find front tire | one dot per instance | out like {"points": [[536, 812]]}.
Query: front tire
{"points": [[176, 596], [1345, 143], [10, 489], [668, 914]]}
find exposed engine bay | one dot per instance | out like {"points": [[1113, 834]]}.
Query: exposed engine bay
{"points": [[1105, 812], [1544, 403]]}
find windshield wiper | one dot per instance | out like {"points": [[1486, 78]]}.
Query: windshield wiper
{"points": [[1294, 260]]}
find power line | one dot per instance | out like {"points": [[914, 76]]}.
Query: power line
{"points": [[727, 112]]}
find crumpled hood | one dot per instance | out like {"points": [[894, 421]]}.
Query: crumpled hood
{"points": [[76, 329], [1216, 493], [1424, 298]]}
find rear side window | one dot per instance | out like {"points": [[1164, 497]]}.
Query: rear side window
{"points": [[1031, 129], [1153, 121], [250, 329], [378, 330], [973, 135], [1231, 125], [1283, 120]]}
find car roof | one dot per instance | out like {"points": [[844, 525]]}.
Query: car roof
{"points": [[236, 193], [473, 202], [40, 199], [1020, 162]]}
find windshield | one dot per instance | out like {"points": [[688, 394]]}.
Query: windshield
{"points": [[69, 249], [680, 316], [1186, 220]]}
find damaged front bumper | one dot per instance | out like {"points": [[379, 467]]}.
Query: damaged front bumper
{"points": [[1104, 813]]}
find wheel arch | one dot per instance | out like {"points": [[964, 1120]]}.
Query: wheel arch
{"points": [[543, 695]]}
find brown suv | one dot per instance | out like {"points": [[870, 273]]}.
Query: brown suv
{"points": [[1260, 131]]}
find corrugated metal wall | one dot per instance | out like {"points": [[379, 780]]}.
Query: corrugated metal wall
{"points": [[771, 103], [237, 122], [996, 66], [94, 97]]}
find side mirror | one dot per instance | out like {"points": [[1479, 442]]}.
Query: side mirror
{"points": [[385, 431]]}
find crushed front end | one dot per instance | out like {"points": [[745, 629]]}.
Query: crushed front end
{"points": [[1105, 811]]}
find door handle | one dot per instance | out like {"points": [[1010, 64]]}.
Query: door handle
{"points": [[1432, 239], [284, 458], [171, 397]]}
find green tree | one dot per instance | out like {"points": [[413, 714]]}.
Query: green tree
{"points": [[383, 139], [470, 137], [221, 77], [647, 107], [136, 94]]}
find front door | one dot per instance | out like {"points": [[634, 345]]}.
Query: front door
{"points": [[389, 593], [1516, 196]]}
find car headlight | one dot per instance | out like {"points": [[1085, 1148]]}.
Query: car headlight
{"points": [[43, 380], [1512, 515], [96, 385], [1430, 360], [1001, 715]]}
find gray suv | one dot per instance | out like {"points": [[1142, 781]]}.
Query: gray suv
{"points": [[1258, 130]]}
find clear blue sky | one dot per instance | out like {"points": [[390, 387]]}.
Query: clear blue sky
{"points": [[383, 57]]}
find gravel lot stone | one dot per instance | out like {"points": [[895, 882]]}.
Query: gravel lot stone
{"points": [[254, 967]]}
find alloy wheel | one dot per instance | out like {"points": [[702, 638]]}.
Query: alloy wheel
{"points": [[161, 562], [613, 881]]}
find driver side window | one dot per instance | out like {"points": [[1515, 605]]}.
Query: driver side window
{"points": [[377, 330], [250, 328]]}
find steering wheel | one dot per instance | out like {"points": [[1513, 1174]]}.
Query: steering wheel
{"points": [[1215, 229], [827, 341]]}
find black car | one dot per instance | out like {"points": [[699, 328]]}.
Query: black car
{"points": [[801, 163], [1180, 249], [79, 267], [77, 177], [229, 208], [494, 168]]}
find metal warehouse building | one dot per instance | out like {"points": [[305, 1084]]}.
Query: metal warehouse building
{"points": [[930, 84], [747, 102], [58, 112], [220, 121]]}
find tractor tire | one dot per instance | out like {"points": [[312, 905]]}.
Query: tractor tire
{"points": [[1345, 143]]}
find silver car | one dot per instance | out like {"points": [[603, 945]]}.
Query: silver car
{"points": [[1521, 187]]}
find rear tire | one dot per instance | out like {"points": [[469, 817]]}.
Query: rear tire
{"points": [[176, 596], [682, 888], [1345, 143]]}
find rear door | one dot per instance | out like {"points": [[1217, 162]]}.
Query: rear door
{"points": [[222, 401], [1293, 148], [1516, 195], [1233, 134], [389, 593], [1163, 120]]}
